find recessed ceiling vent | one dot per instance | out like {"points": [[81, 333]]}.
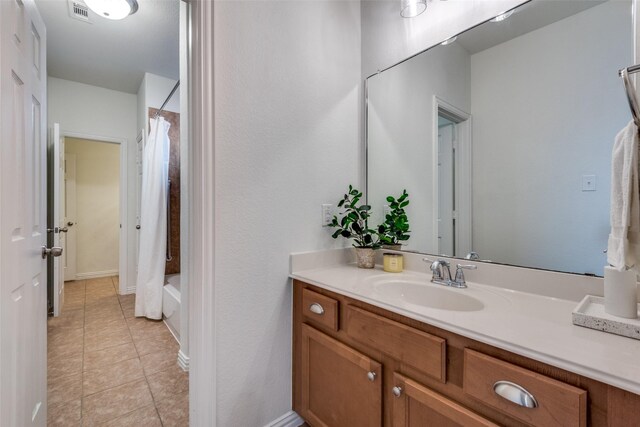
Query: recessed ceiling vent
{"points": [[78, 10]]}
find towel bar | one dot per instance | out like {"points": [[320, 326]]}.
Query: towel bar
{"points": [[631, 91]]}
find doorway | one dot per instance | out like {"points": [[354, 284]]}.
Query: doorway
{"points": [[93, 209], [452, 179]]}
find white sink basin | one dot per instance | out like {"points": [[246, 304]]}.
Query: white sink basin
{"points": [[428, 295]]}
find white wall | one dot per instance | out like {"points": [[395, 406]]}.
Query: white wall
{"points": [[152, 93], [287, 102], [387, 38], [400, 129], [97, 205], [91, 110], [540, 217]]}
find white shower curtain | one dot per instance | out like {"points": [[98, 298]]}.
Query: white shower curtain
{"points": [[153, 221]]}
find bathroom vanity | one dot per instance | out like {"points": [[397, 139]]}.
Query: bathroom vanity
{"points": [[378, 349]]}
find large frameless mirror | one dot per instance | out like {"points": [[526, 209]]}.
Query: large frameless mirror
{"points": [[502, 136]]}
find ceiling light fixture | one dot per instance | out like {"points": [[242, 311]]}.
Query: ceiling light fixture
{"points": [[502, 16], [412, 8], [113, 9], [449, 41]]}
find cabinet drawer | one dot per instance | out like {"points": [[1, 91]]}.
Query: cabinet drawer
{"points": [[556, 403], [419, 349], [320, 309]]}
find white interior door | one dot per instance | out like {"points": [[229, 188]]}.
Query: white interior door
{"points": [[23, 289], [58, 218], [139, 151], [446, 189], [70, 219]]}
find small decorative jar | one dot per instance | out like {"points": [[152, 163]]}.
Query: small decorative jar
{"points": [[393, 263]]}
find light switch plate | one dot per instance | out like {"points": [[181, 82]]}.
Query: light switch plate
{"points": [[588, 183]]}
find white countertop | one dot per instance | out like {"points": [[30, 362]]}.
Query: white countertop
{"points": [[532, 325]]}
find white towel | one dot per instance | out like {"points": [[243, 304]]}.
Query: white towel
{"points": [[624, 241]]}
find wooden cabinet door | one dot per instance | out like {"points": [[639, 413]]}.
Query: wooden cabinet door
{"points": [[414, 405], [340, 386]]}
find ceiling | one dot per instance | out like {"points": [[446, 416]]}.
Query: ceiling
{"points": [[538, 14], [112, 54]]}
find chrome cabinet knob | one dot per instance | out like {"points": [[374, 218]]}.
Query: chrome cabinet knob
{"points": [[54, 251], [397, 391], [316, 309], [371, 376], [515, 393], [137, 227]]}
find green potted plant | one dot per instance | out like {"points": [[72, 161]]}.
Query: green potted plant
{"points": [[353, 224], [395, 228]]}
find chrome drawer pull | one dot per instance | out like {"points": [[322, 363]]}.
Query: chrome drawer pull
{"points": [[397, 391], [371, 376], [316, 308], [515, 393]]}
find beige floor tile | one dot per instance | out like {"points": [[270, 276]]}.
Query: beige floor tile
{"points": [[64, 389], [73, 295], [129, 312], [75, 284], [115, 402], [143, 417], [94, 302], [109, 356], [64, 338], [68, 350], [174, 411], [68, 319], [127, 298], [130, 303], [106, 338], [109, 376], [64, 365], [99, 281], [156, 344], [64, 414], [168, 383], [73, 304], [103, 314], [109, 322], [143, 328], [159, 361]]}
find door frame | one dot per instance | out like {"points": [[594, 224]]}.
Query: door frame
{"points": [[123, 267], [464, 173]]}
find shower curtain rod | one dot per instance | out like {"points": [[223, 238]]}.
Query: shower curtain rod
{"points": [[166, 101]]}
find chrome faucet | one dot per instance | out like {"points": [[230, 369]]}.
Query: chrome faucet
{"points": [[441, 273]]}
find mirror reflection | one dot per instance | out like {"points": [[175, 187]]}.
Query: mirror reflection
{"points": [[502, 136]]}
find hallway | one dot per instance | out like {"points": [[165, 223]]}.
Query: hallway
{"points": [[106, 367]]}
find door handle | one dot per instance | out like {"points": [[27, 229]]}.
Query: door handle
{"points": [[64, 230], [54, 251]]}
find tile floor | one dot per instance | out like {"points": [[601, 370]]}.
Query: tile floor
{"points": [[106, 367]]}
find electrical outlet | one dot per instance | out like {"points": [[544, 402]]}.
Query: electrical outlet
{"points": [[327, 214]]}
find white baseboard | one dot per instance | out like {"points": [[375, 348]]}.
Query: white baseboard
{"points": [[290, 419], [130, 290], [96, 274], [183, 361]]}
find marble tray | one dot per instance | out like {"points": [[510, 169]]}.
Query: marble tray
{"points": [[590, 314]]}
